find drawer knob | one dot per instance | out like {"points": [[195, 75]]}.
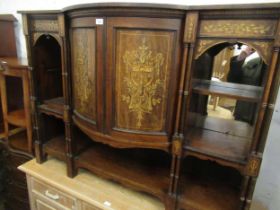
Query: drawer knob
{"points": [[52, 196]]}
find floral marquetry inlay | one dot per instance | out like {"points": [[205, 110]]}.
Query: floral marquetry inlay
{"points": [[143, 61], [238, 28], [84, 72], [142, 80]]}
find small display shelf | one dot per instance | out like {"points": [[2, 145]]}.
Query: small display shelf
{"points": [[56, 147], [53, 107], [227, 89], [212, 189], [17, 118], [146, 171]]}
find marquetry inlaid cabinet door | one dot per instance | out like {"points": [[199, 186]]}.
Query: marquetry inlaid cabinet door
{"points": [[86, 56], [141, 79]]}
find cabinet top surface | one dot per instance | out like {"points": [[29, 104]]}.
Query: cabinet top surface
{"points": [[159, 6], [86, 186], [14, 62]]}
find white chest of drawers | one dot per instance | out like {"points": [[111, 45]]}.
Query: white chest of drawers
{"points": [[50, 189]]}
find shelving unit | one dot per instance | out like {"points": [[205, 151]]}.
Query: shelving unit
{"points": [[15, 97], [142, 170]]}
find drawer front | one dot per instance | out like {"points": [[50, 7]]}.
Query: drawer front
{"points": [[86, 206], [39, 203], [53, 194]]}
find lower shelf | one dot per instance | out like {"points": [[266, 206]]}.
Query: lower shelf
{"points": [[202, 195], [18, 140], [56, 147], [133, 168], [204, 185]]}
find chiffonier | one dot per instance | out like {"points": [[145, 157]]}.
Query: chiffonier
{"points": [[173, 101]]}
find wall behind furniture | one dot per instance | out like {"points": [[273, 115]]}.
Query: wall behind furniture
{"points": [[267, 193]]}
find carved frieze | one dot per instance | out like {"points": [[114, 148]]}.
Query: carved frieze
{"points": [[238, 28], [45, 25]]}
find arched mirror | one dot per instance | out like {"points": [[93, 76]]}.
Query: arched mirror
{"points": [[227, 86], [47, 66]]}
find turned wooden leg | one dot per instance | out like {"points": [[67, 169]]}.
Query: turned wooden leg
{"points": [[251, 189], [170, 202], [244, 189]]}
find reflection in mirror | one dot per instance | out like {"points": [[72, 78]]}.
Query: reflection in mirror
{"points": [[228, 81]]}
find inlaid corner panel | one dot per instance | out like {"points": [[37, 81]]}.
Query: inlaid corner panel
{"points": [[84, 72], [141, 66]]}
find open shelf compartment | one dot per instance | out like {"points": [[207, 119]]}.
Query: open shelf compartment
{"points": [[141, 169], [206, 185]]}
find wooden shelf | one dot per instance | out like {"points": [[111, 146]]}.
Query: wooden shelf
{"points": [[202, 194], [18, 141], [227, 89], [56, 147], [53, 107], [17, 118], [217, 145], [225, 126], [137, 170]]}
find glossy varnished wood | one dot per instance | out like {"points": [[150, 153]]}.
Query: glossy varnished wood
{"points": [[160, 38], [127, 72], [15, 72]]}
